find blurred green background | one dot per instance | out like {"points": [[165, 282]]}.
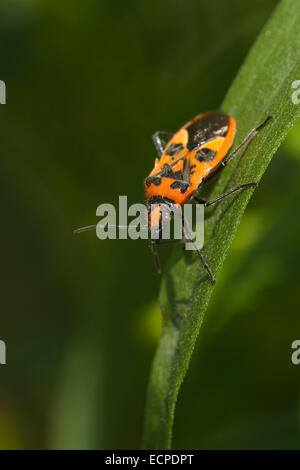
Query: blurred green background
{"points": [[88, 83]]}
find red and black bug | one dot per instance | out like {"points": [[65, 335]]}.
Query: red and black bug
{"points": [[185, 161], [195, 153]]}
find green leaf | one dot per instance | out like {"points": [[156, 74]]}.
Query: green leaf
{"points": [[263, 87]]}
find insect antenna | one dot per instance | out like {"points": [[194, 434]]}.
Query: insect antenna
{"points": [[93, 227]]}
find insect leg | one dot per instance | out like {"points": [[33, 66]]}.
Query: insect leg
{"points": [[159, 143], [203, 262], [156, 258], [246, 140], [222, 196]]}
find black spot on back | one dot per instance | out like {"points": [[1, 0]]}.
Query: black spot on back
{"points": [[210, 126], [205, 155], [167, 172], [174, 149], [180, 185]]}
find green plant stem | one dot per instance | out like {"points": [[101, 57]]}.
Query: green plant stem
{"points": [[262, 87]]}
